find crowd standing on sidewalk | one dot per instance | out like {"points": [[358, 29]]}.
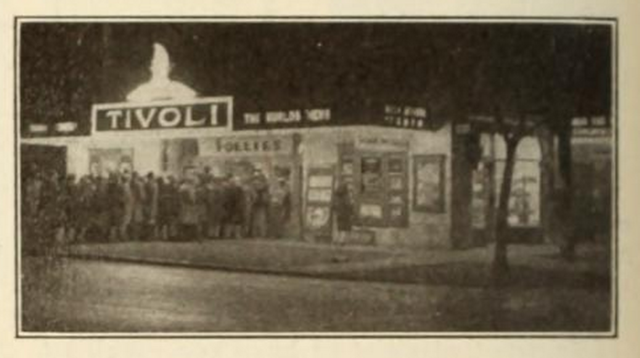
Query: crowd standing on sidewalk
{"points": [[126, 206]]}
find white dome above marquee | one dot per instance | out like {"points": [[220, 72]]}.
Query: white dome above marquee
{"points": [[160, 87]]}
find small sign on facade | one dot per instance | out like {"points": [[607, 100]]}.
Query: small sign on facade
{"points": [[406, 116], [293, 118], [245, 146]]}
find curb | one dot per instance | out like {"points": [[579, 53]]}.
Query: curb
{"points": [[230, 269]]}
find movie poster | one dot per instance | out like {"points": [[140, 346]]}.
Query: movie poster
{"points": [[428, 171]]}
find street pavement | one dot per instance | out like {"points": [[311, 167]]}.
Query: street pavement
{"points": [[94, 296], [531, 265]]}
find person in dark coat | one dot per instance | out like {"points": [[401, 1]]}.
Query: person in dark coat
{"points": [[31, 205], [260, 205], [114, 206], [233, 208], [70, 204], [51, 213], [150, 207], [173, 211], [128, 202], [139, 198], [189, 217], [85, 197], [165, 207], [101, 209], [201, 206], [343, 210], [215, 208], [279, 208]]}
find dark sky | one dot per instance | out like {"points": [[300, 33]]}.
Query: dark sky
{"points": [[454, 67]]}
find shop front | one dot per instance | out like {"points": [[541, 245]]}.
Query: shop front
{"points": [[397, 179], [395, 158]]}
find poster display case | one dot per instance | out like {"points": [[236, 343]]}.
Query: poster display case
{"points": [[429, 183], [319, 196], [380, 186]]}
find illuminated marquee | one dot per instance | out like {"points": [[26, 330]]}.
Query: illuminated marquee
{"points": [[212, 112], [406, 117], [284, 119]]}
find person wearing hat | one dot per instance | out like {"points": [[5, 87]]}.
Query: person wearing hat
{"points": [[188, 209], [343, 209], [215, 207], [279, 208], [151, 206], [259, 205]]}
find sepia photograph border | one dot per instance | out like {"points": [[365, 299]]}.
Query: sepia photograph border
{"points": [[614, 288]]}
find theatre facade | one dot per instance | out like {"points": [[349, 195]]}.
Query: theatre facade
{"points": [[415, 178]]}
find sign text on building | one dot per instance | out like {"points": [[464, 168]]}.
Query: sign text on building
{"points": [[406, 116], [381, 143], [288, 118], [211, 112], [245, 145]]}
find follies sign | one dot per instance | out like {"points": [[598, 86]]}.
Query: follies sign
{"points": [[211, 112]]}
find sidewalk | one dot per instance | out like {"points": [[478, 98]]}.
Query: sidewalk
{"points": [[531, 265]]}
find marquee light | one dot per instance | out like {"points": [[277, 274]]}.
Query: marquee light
{"points": [[38, 128], [160, 86], [66, 127]]}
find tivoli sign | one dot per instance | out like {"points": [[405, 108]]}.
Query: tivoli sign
{"points": [[212, 112]]}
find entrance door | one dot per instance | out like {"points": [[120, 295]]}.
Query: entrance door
{"points": [[592, 200]]}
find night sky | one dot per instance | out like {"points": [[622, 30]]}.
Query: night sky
{"points": [[452, 67]]}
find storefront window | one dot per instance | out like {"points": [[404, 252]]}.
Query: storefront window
{"points": [[524, 201]]}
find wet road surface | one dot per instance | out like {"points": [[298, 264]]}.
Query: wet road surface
{"points": [[67, 295]]}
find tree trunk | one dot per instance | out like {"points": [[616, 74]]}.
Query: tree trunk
{"points": [[545, 139], [500, 261], [568, 246]]}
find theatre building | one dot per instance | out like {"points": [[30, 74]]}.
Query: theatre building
{"points": [[408, 170]]}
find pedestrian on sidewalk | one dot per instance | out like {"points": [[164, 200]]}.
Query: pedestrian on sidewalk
{"points": [[115, 206], [100, 209], [52, 214], [201, 204], [188, 210], [151, 207], [259, 205], [128, 203], [234, 208], [139, 198], [83, 208], [343, 210], [279, 208], [215, 209], [70, 203], [167, 206]]}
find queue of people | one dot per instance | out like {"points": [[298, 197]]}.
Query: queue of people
{"points": [[127, 206]]}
